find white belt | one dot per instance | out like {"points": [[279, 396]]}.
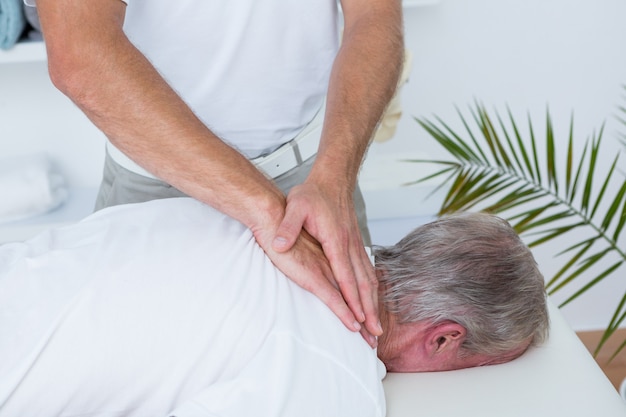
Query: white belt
{"points": [[283, 159], [294, 152]]}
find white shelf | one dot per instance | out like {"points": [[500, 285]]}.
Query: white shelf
{"points": [[419, 3], [35, 51], [29, 51]]}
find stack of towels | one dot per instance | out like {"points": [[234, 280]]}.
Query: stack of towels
{"points": [[29, 186], [16, 18]]}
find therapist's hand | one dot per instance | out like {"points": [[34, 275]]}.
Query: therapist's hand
{"points": [[306, 265], [329, 216]]}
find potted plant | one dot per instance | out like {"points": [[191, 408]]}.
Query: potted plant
{"points": [[545, 191]]}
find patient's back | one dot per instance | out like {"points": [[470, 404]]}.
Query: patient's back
{"points": [[170, 307]]}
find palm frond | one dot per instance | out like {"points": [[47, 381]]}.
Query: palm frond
{"points": [[618, 317], [551, 156], [494, 167]]}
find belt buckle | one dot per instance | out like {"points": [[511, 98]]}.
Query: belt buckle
{"points": [[294, 152]]}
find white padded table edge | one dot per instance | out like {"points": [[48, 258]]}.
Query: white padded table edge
{"points": [[559, 378]]}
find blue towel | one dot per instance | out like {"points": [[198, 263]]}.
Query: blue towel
{"points": [[12, 22]]}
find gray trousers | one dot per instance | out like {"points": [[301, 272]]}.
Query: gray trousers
{"points": [[121, 186]]}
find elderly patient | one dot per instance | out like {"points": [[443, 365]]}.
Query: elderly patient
{"points": [[170, 308]]}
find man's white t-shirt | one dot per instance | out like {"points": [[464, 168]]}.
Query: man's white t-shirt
{"points": [[254, 71], [170, 308]]}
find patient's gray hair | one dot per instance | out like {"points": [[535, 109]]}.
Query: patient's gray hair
{"points": [[470, 268]]}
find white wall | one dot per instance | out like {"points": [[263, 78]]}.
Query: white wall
{"points": [[35, 116], [527, 54]]}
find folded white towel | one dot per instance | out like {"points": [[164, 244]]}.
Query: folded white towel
{"points": [[29, 186]]}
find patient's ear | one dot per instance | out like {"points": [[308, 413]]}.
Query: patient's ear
{"points": [[446, 338]]}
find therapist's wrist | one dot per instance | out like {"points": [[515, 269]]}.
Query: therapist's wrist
{"points": [[335, 174], [264, 216]]}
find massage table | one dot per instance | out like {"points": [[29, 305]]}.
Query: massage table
{"points": [[559, 378]]}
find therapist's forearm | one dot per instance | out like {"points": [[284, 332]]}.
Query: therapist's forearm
{"points": [[124, 96], [363, 80]]}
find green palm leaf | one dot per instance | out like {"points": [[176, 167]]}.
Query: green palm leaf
{"points": [[495, 168]]}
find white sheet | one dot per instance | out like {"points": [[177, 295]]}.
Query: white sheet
{"points": [[110, 317]]}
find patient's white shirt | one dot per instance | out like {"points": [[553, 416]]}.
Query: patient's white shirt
{"points": [[169, 308]]}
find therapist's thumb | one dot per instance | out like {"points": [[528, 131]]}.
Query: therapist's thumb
{"points": [[288, 232]]}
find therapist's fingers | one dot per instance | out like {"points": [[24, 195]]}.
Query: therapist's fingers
{"points": [[356, 278], [306, 265], [357, 281], [368, 288], [289, 230], [369, 338], [330, 218]]}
